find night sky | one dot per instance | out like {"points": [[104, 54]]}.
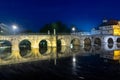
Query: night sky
{"points": [[33, 14]]}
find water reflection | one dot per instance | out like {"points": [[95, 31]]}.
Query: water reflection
{"points": [[74, 64], [111, 55], [111, 52], [88, 62], [110, 46], [43, 50], [75, 49], [97, 47], [5, 48], [74, 59], [118, 45], [87, 47]]}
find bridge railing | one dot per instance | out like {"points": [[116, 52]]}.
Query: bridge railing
{"points": [[33, 34]]}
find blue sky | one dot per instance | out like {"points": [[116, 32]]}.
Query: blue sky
{"points": [[33, 14]]}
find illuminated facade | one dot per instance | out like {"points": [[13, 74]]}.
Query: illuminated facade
{"points": [[111, 27]]}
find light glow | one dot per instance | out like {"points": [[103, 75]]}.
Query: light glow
{"points": [[74, 59], [73, 29], [116, 30], [14, 27], [116, 55]]}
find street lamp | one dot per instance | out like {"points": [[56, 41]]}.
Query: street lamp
{"points": [[14, 28], [73, 28]]}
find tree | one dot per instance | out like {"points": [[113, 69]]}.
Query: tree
{"points": [[58, 26]]}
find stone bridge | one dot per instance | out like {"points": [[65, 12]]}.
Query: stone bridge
{"points": [[66, 40]]}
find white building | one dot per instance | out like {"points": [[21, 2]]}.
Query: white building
{"points": [[111, 27]]}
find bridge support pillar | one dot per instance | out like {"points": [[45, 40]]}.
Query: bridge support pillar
{"points": [[54, 41], [35, 49], [15, 50], [35, 52]]}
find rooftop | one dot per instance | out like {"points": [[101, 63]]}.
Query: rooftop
{"points": [[109, 22]]}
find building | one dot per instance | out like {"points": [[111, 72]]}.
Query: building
{"points": [[95, 31], [111, 27], [4, 29]]}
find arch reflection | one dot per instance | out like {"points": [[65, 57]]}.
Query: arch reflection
{"points": [[45, 51], [75, 49], [87, 47], [110, 46], [5, 49]]}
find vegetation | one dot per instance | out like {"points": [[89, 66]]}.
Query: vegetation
{"points": [[58, 26]]}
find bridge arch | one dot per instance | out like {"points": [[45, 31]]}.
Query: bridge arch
{"points": [[25, 48], [110, 41], [44, 46], [97, 41], [118, 40], [75, 42], [5, 49], [87, 41], [45, 42]]}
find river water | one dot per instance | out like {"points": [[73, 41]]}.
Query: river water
{"points": [[84, 63]]}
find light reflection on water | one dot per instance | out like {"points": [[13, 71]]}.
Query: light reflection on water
{"points": [[88, 62], [105, 51]]}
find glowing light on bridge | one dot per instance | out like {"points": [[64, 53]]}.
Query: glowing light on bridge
{"points": [[73, 29], [14, 27]]}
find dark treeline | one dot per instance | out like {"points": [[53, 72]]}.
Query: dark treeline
{"points": [[58, 26]]}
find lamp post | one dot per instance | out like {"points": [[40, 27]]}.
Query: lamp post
{"points": [[14, 28], [73, 29]]}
